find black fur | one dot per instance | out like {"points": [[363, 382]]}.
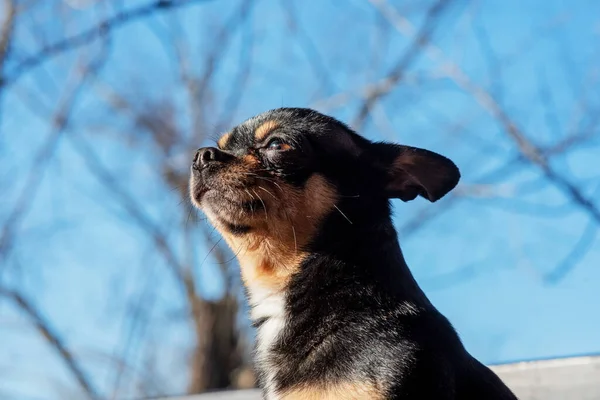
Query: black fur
{"points": [[355, 312]]}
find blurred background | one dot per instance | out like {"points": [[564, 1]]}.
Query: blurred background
{"points": [[113, 287]]}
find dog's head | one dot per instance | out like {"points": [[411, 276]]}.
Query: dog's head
{"points": [[273, 179]]}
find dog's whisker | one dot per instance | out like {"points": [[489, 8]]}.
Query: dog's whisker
{"points": [[287, 216], [263, 204], [264, 178], [187, 221], [249, 194], [251, 204], [343, 215], [271, 180], [272, 195], [295, 240], [276, 184], [232, 258], [214, 246]]}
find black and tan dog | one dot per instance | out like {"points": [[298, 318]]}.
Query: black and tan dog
{"points": [[304, 203]]}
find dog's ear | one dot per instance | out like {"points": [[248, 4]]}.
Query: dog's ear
{"points": [[410, 172]]}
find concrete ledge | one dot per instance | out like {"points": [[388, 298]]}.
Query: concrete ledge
{"points": [[574, 378]]}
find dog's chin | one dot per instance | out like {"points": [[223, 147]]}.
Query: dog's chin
{"points": [[236, 213]]}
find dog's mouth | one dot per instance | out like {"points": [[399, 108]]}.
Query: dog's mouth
{"points": [[234, 205], [249, 206], [233, 199], [229, 198]]}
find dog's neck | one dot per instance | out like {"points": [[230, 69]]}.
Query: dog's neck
{"points": [[365, 238], [358, 235], [267, 262]]}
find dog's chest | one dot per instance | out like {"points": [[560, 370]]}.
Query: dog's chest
{"points": [[270, 305]]}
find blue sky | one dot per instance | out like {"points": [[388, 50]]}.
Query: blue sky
{"points": [[483, 263]]}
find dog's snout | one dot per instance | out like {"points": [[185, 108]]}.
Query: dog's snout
{"points": [[207, 155]]}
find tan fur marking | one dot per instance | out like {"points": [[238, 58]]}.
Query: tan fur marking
{"points": [[346, 391], [264, 129], [273, 251], [250, 160], [223, 140]]}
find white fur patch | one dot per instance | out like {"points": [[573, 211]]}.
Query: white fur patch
{"points": [[268, 304]]}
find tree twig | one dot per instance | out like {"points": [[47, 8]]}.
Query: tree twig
{"points": [[53, 338], [395, 75], [110, 24], [6, 34], [577, 252], [526, 147], [34, 177]]}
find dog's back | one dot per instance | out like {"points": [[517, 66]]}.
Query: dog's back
{"points": [[478, 382]]}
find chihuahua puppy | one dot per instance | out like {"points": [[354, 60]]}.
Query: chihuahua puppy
{"points": [[304, 203]]}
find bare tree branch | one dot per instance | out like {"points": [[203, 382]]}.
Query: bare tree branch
{"points": [[136, 317], [425, 215], [414, 50], [101, 29], [527, 148], [130, 205], [213, 322], [308, 47], [579, 250], [43, 156], [53, 338], [233, 100], [6, 33], [197, 88]]}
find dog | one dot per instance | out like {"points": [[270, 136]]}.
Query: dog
{"points": [[304, 203]]}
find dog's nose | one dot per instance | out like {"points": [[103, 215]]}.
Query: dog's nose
{"points": [[206, 155]]}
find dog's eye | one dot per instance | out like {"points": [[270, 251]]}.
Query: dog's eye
{"points": [[277, 144]]}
